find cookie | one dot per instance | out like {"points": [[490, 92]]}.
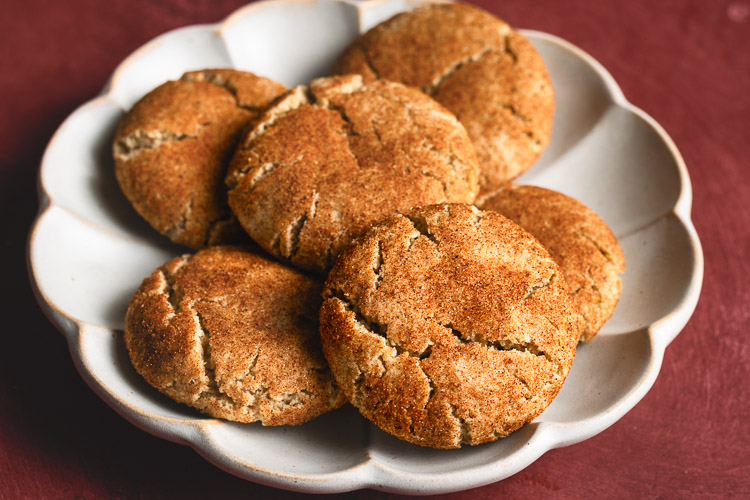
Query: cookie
{"points": [[328, 160], [172, 149], [448, 326], [478, 67], [589, 256], [234, 335]]}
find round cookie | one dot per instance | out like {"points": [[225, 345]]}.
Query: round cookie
{"points": [[581, 243], [448, 326], [234, 335], [325, 162], [172, 149], [478, 67]]}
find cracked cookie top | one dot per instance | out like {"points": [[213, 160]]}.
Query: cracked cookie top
{"points": [[589, 256], [173, 147], [234, 335], [448, 326], [328, 160], [478, 67]]}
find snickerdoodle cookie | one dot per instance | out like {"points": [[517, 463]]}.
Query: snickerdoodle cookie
{"points": [[234, 335], [326, 161], [448, 326], [173, 147], [478, 67], [581, 243]]}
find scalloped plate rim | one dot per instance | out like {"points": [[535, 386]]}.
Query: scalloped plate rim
{"points": [[371, 473]]}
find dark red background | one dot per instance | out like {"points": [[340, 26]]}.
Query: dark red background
{"points": [[686, 62]]}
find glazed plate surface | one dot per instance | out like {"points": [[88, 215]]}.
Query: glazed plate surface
{"points": [[88, 252]]}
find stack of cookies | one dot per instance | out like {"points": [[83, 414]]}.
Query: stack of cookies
{"points": [[359, 238]]}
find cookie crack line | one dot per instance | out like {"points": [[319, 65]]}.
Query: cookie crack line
{"points": [[175, 296], [372, 325], [507, 49], [234, 178], [282, 402], [289, 102], [430, 395], [421, 226], [376, 328], [327, 104], [440, 79], [447, 157], [485, 51], [256, 393], [303, 95], [342, 113], [170, 288], [378, 266], [465, 435], [540, 286], [599, 247], [517, 115], [226, 84], [590, 285], [295, 228], [180, 226], [250, 372], [128, 147], [203, 341], [593, 287], [525, 384], [368, 60], [529, 347]]}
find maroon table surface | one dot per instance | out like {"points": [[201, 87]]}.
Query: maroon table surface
{"points": [[685, 62]]}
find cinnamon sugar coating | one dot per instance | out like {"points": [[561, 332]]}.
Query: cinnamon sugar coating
{"points": [[478, 67], [234, 335], [589, 256], [448, 326], [173, 147], [328, 160]]}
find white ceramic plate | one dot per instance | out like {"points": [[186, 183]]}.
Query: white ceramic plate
{"points": [[88, 252]]}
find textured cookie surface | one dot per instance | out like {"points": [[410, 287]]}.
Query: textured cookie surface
{"points": [[478, 67], [327, 161], [589, 256], [234, 335], [172, 150], [448, 326]]}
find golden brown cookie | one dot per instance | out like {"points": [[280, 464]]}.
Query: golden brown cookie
{"points": [[327, 161], [448, 326], [173, 147], [234, 335], [581, 243], [478, 67]]}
